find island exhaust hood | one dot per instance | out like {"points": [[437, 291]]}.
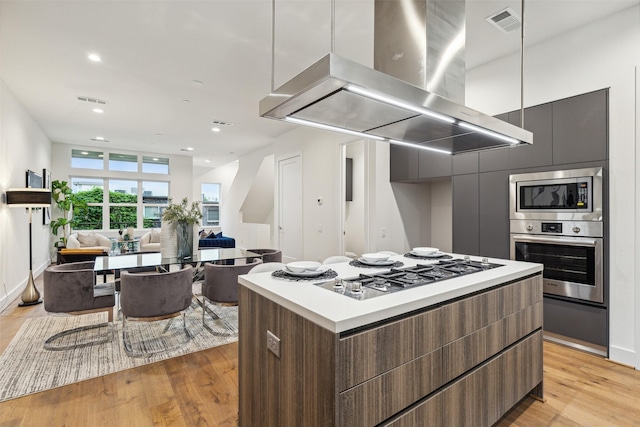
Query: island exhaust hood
{"points": [[344, 96]]}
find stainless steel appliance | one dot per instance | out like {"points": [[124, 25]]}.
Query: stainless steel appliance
{"points": [[366, 286], [556, 219]]}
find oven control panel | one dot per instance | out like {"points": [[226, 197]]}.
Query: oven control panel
{"points": [[552, 227], [558, 228]]}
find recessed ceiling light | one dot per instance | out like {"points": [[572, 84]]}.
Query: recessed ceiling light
{"points": [[85, 152], [98, 110], [187, 149], [95, 57], [159, 134], [186, 101], [208, 161], [197, 82], [215, 129], [99, 139]]}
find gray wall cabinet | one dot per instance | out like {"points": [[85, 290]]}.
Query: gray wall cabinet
{"points": [[580, 128], [493, 213], [538, 120], [466, 236]]}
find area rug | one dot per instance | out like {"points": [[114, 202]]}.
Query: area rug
{"points": [[26, 367]]}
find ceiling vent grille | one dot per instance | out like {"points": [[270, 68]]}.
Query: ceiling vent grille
{"points": [[506, 20], [92, 100], [221, 123]]}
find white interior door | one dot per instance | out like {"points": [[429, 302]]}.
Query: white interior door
{"points": [[290, 208]]}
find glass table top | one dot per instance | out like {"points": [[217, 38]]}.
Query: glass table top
{"points": [[150, 259]]}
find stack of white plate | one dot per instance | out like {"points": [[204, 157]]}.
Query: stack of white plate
{"points": [[305, 268], [375, 259]]}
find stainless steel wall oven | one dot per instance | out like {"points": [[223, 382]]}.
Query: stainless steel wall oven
{"points": [[556, 220]]}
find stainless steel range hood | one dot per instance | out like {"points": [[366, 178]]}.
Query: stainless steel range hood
{"points": [[344, 96]]}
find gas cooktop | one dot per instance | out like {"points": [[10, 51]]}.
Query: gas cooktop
{"points": [[366, 286]]}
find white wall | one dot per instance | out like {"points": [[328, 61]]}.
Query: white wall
{"points": [[603, 54], [354, 210], [23, 146]]}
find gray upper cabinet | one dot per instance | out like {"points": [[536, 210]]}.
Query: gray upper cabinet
{"points": [[404, 163], [494, 214], [538, 120], [465, 163], [434, 165], [580, 128], [465, 214], [496, 159]]}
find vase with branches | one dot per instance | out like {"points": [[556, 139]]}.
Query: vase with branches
{"points": [[185, 216]]}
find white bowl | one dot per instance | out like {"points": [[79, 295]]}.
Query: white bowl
{"points": [[375, 257], [301, 266], [423, 251]]}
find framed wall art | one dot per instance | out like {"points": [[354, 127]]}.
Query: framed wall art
{"points": [[46, 183]]}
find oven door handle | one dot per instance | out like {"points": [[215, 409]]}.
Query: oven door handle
{"points": [[556, 240]]}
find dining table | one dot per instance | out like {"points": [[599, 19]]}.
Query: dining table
{"points": [[155, 259]]}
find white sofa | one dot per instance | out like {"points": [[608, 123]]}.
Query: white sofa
{"points": [[150, 242], [88, 240]]}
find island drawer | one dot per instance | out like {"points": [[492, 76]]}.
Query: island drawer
{"points": [[372, 352], [464, 317], [485, 394], [385, 395], [465, 353]]}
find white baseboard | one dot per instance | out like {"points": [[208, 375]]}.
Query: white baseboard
{"points": [[17, 290], [624, 356]]}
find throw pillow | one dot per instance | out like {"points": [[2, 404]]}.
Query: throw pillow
{"points": [[211, 235], [155, 235], [219, 235], [88, 239]]}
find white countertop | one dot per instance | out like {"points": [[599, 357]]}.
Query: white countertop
{"points": [[339, 313]]}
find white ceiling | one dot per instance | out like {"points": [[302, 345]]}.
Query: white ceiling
{"points": [[152, 51]]}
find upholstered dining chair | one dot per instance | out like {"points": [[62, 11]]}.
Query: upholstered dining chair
{"points": [[70, 288], [150, 302], [336, 259], [268, 255], [267, 266], [220, 287]]}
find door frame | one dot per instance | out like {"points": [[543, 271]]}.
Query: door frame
{"points": [[368, 145], [277, 195]]}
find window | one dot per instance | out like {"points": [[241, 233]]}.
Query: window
{"points": [[87, 159], [123, 162], [89, 190], [155, 197], [155, 165], [125, 199], [123, 204], [210, 204]]}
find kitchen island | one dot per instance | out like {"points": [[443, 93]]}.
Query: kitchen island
{"points": [[461, 351]]}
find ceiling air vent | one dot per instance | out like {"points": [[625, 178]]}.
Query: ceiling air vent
{"points": [[221, 123], [506, 20], [92, 100]]}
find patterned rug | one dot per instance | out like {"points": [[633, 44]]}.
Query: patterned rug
{"points": [[26, 367]]}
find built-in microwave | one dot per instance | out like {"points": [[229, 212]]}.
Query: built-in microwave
{"points": [[571, 195]]}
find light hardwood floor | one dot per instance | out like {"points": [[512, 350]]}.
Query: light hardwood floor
{"points": [[201, 389]]}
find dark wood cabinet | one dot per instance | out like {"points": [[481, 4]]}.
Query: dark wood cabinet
{"points": [[465, 200], [462, 362], [580, 128]]}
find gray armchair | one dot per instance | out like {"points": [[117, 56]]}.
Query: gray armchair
{"points": [[70, 288], [268, 255], [158, 298], [221, 286]]}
